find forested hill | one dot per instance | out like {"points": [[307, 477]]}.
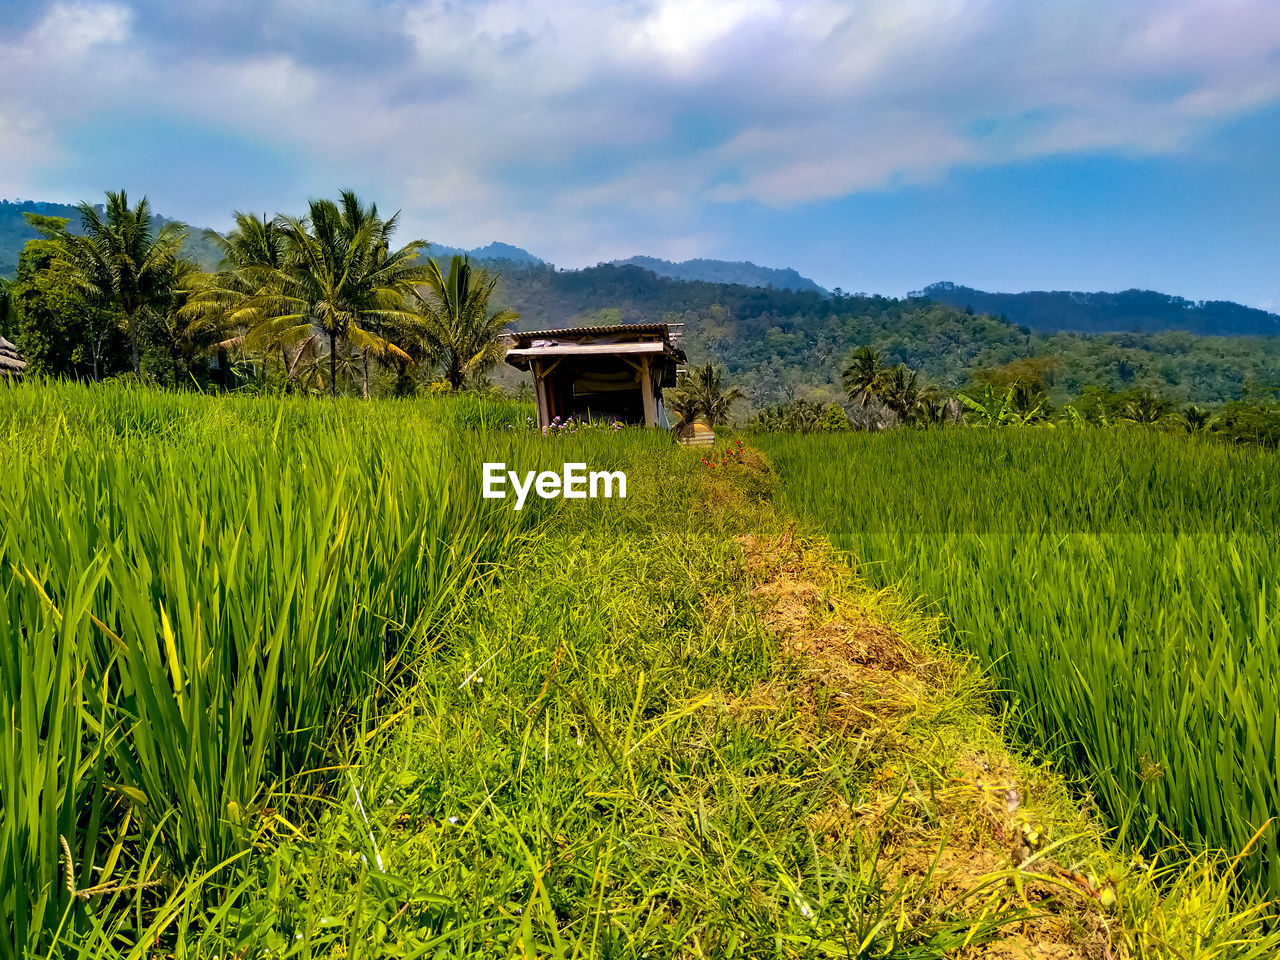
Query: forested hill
{"points": [[778, 344], [724, 271], [1130, 310], [15, 232]]}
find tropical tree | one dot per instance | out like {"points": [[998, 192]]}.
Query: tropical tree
{"points": [[802, 416], [1148, 407], [454, 323], [176, 336], [6, 306], [125, 262], [1196, 419], [221, 305], [864, 375], [932, 410], [900, 389], [702, 393], [1028, 400], [339, 285], [993, 408], [60, 328]]}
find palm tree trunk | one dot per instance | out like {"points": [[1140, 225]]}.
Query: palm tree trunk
{"points": [[333, 365], [365, 389], [133, 343]]}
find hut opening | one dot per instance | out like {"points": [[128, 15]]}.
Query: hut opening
{"points": [[611, 373]]}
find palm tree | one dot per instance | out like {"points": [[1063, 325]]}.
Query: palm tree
{"points": [[222, 304], [456, 327], [1008, 409], [340, 284], [1148, 407], [931, 410], [1027, 401], [179, 333], [1196, 419], [124, 261], [864, 375], [900, 390], [702, 393]]}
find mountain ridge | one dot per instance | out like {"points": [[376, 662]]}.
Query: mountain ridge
{"points": [[1124, 311], [741, 272]]}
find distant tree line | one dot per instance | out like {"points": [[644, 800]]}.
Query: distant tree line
{"points": [[879, 396], [322, 303]]}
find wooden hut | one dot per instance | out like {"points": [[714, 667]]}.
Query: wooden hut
{"points": [[11, 362], [605, 373]]}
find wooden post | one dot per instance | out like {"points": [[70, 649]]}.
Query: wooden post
{"points": [[540, 387], [646, 389]]}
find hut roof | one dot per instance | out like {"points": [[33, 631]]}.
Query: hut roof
{"points": [[617, 333], [652, 339], [10, 360]]}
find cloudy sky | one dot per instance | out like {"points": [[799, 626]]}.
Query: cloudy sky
{"points": [[877, 145]]}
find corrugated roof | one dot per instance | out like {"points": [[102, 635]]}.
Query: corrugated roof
{"points": [[561, 333]]}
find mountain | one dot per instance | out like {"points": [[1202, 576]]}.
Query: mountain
{"points": [[15, 232], [1144, 311], [495, 252], [724, 271]]}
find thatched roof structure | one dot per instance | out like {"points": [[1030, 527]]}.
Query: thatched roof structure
{"points": [[11, 362]]}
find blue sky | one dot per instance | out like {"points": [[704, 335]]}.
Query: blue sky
{"points": [[877, 146]]}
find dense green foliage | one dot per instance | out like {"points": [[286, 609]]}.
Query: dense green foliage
{"points": [[778, 344], [320, 302], [782, 344], [1122, 585], [58, 328], [701, 394], [1137, 310]]}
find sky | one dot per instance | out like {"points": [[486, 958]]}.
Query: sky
{"points": [[876, 146]]}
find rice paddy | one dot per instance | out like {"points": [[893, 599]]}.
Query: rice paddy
{"points": [[278, 681], [1122, 587], [198, 594]]}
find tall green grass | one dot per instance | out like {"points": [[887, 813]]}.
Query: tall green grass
{"points": [[195, 595], [1123, 586]]}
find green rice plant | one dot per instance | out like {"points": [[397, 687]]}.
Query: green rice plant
{"points": [[1123, 587], [196, 593]]}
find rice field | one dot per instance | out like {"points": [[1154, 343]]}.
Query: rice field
{"points": [[197, 595], [1121, 586], [277, 681]]}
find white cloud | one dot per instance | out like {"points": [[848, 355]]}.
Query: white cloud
{"points": [[72, 29], [543, 121]]}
